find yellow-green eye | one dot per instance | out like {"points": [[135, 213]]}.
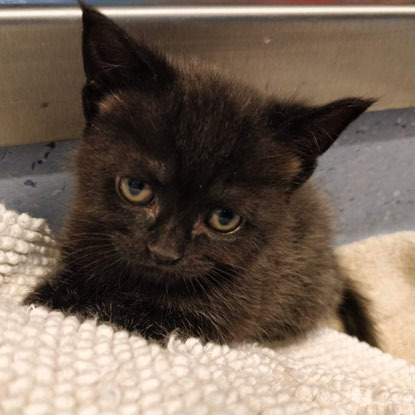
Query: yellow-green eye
{"points": [[135, 191], [223, 220]]}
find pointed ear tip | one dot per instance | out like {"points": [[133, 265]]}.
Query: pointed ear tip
{"points": [[354, 104], [365, 103], [89, 12], [84, 7]]}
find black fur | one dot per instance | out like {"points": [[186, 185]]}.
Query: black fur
{"points": [[354, 315], [201, 142]]}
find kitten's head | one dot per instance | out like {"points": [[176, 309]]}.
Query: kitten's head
{"points": [[180, 171]]}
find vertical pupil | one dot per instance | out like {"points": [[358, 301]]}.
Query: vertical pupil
{"points": [[225, 217], [135, 186]]}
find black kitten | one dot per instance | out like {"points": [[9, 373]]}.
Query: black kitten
{"points": [[193, 209]]}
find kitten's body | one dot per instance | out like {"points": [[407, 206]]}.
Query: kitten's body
{"points": [[253, 305], [202, 143]]}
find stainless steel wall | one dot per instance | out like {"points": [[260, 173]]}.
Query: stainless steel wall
{"points": [[315, 52]]}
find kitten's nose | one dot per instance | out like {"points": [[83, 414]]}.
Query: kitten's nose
{"points": [[164, 255]]}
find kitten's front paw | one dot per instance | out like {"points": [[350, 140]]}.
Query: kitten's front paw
{"points": [[40, 295], [49, 295]]}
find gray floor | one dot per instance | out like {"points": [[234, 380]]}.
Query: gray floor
{"points": [[369, 172]]}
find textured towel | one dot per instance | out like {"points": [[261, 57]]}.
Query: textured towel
{"points": [[51, 364]]}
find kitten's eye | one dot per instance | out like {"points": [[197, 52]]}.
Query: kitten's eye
{"points": [[135, 191], [223, 220]]}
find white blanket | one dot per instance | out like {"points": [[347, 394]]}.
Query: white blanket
{"points": [[51, 364]]}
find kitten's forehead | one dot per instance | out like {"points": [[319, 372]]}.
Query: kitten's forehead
{"points": [[202, 132], [198, 121], [215, 127]]}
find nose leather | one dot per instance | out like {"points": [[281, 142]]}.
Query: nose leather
{"points": [[164, 254], [167, 245]]}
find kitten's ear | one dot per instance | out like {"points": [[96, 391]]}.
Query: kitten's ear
{"points": [[113, 60], [310, 131]]}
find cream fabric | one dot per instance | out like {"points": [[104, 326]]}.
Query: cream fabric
{"points": [[51, 364]]}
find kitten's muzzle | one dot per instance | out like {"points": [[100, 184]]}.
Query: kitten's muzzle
{"points": [[164, 255]]}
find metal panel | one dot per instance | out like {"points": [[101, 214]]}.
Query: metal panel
{"points": [[314, 52]]}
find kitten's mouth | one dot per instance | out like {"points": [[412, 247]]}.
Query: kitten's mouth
{"points": [[164, 273], [205, 277]]}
